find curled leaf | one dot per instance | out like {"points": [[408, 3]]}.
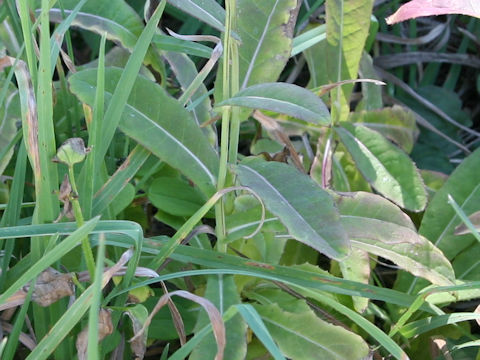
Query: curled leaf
{"points": [[418, 8], [51, 286], [71, 152], [105, 328]]}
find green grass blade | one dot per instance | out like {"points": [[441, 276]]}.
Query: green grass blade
{"points": [[47, 184], [90, 169], [50, 257], [92, 350], [255, 323], [125, 84], [120, 179]]}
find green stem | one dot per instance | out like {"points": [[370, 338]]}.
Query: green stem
{"points": [[77, 210], [224, 139]]}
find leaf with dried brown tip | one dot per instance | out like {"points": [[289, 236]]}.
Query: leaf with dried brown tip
{"points": [[213, 313]]}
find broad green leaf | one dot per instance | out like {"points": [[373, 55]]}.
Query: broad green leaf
{"points": [[303, 336], [396, 124], [372, 206], [383, 224], [388, 169], [401, 245], [440, 219], [301, 205], [115, 18], [348, 23], [356, 267], [159, 123], [222, 292], [243, 223], [175, 196], [266, 30], [371, 93], [208, 11], [284, 98]]}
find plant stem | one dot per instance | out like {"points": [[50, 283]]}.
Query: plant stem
{"points": [[77, 210], [224, 139]]}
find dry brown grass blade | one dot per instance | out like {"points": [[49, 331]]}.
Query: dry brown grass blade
{"points": [[105, 328], [176, 317], [26, 340], [272, 126], [50, 287], [213, 314]]}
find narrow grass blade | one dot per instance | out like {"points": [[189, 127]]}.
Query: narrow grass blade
{"points": [[256, 324], [50, 257]]}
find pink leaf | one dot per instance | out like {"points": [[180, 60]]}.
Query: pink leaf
{"points": [[417, 8]]}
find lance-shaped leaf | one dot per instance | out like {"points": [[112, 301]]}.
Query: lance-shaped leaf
{"points": [[301, 205], [159, 123], [396, 124], [440, 220], [115, 18], [266, 32], [387, 168], [208, 11], [401, 245], [284, 98], [348, 23], [303, 335], [363, 204], [417, 8]]}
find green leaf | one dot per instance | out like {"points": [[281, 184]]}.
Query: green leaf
{"points": [[284, 98], [255, 323], [440, 219], [308, 39], [208, 11], [400, 245], [388, 169], [222, 292], [302, 206], [175, 196], [396, 124], [303, 336], [266, 29], [348, 23], [376, 225], [50, 257], [159, 123], [115, 18]]}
